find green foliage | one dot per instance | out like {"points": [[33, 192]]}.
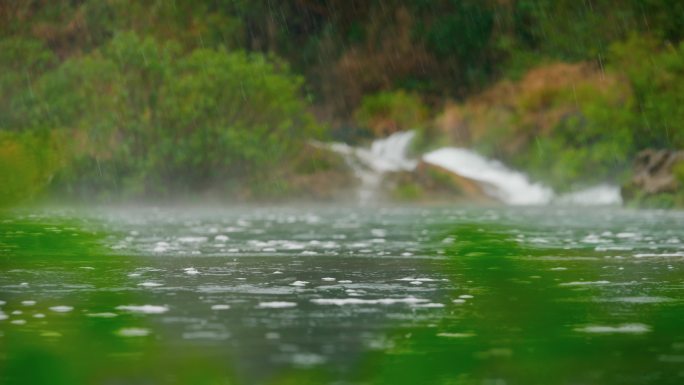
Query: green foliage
{"points": [[592, 145], [21, 63], [27, 163], [387, 112], [407, 191], [148, 118], [656, 74]]}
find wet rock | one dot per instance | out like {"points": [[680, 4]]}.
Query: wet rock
{"points": [[656, 173], [430, 183]]}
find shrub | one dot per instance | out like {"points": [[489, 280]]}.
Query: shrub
{"points": [[387, 112]]}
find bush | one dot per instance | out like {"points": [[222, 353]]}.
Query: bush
{"points": [[656, 73], [387, 112], [148, 118], [27, 163]]}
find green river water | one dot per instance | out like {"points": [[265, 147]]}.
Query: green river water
{"points": [[342, 295]]}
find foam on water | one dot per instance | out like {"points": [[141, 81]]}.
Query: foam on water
{"points": [[133, 332], [360, 301], [62, 309], [636, 328], [276, 304], [145, 309]]}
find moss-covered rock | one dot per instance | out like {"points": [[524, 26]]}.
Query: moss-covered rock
{"points": [[428, 183]]}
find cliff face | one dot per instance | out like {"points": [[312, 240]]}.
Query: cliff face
{"points": [[658, 179]]}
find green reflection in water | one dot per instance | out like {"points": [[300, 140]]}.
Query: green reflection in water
{"points": [[75, 347], [520, 326]]}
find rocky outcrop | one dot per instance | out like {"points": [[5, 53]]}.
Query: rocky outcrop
{"points": [[655, 172], [428, 183]]}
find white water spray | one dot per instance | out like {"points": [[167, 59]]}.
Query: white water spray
{"points": [[370, 164], [508, 186], [498, 181]]}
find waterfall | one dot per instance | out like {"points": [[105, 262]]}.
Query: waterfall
{"points": [[508, 186], [498, 181], [370, 164]]}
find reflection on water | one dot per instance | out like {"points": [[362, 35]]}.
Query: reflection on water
{"points": [[342, 295]]}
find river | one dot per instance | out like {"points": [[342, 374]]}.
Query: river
{"points": [[342, 295]]}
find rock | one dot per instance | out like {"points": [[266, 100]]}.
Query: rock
{"points": [[655, 172], [430, 183]]}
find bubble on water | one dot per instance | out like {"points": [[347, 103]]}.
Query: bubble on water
{"points": [[276, 304], [39, 315], [585, 283], [18, 322], [272, 336], [458, 301], [307, 359], [344, 281], [299, 283], [328, 279], [221, 238], [636, 328], [220, 307], [206, 335], [640, 299], [17, 312], [160, 247], [145, 309], [379, 232], [429, 305], [102, 315], [191, 271], [671, 358], [150, 284], [191, 239], [456, 335], [359, 301], [50, 334], [62, 309], [465, 296], [28, 303], [411, 279], [133, 332]]}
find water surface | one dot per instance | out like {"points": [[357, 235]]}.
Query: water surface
{"points": [[342, 296]]}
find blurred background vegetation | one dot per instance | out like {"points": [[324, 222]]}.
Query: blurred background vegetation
{"points": [[113, 99]]}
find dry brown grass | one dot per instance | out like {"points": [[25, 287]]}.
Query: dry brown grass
{"points": [[532, 107]]}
